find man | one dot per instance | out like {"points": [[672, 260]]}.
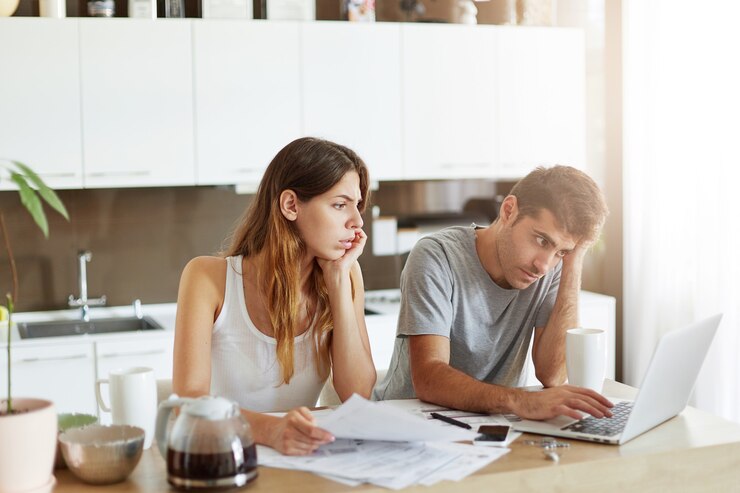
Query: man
{"points": [[471, 297]]}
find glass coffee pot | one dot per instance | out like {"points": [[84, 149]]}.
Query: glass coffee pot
{"points": [[210, 444]]}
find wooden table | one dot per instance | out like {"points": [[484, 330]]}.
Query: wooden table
{"points": [[694, 451]]}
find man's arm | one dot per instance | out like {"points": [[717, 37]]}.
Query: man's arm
{"points": [[436, 381], [548, 349]]}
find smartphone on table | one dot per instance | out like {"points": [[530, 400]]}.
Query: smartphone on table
{"points": [[492, 434]]}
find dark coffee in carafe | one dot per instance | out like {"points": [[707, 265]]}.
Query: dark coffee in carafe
{"points": [[189, 466]]}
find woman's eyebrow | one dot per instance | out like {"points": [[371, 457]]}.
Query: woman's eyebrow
{"points": [[345, 197]]}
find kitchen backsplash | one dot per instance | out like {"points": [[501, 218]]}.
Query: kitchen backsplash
{"points": [[142, 238]]}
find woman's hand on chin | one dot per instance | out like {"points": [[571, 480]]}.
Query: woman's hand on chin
{"points": [[343, 264]]}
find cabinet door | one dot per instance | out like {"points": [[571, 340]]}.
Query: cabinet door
{"points": [[137, 102], [148, 352], [153, 353], [541, 93], [381, 331], [40, 98], [247, 87], [449, 101], [63, 374], [352, 90]]}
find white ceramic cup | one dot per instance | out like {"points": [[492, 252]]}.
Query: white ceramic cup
{"points": [[585, 357], [133, 399], [53, 8]]}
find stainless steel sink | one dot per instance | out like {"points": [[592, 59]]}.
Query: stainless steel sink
{"points": [[56, 328]]}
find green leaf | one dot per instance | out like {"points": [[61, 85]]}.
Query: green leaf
{"points": [[46, 193], [31, 202]]}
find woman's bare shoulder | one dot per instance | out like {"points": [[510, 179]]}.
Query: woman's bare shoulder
{"points": [[205, 268]]}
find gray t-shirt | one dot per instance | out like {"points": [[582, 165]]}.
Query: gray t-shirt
{"points": [[446, 291]]}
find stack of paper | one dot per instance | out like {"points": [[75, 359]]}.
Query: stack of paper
{"points": [[383, 444], [360, 418], [392, 465]]}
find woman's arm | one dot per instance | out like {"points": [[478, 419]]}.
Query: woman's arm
{"points": [[353, 369], [199, 301]]}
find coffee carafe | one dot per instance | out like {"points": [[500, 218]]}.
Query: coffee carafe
{"points": [[210, 444]]}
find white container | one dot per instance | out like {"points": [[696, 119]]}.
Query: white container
{"points": [[53, 8], [142, 9], [585, 357], [291, 10], [227, 9], [133, 399]]}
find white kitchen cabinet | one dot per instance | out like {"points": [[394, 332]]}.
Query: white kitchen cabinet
{"points": [[247, 92], [40, 98], [541, 98], [381, 331], [61, 373], [152, 353], [449, 101], [352, 90], [137, 102]]}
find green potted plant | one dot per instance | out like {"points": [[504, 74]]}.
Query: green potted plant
{"points": [[28, 427]]}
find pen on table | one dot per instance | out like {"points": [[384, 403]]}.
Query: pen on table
{"points": [[451, 421]]}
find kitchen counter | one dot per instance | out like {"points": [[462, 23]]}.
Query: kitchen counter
{"points": [[163, 314], [694, 451], [381, 303]]}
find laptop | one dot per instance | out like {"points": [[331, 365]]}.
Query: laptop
{"points": [[664, 392]]}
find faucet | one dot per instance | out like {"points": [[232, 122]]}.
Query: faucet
{"points": [[83, 257]]}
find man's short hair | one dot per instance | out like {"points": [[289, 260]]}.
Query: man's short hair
{"points": [[569, 194]]}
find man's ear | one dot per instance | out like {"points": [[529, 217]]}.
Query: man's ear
{"points": [[509, 209], [289, 204]]}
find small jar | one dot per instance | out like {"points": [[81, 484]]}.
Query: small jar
{"points": [[101, 8], [174, 8]]}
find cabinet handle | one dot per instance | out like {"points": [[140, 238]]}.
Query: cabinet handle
{"points": [[58, 175], [138, 353], [249, 170], [55, 358], [463, 165], [98, 174]]}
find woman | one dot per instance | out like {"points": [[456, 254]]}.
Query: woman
{"points": [[267, 324]]}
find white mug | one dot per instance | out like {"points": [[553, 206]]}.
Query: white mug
{"points": [[133, 399], [585, 357], [53, 8]]}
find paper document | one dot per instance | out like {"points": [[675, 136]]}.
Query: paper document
{"points": [[425, 410], [393, 465], [391, 444], [363, 419]]}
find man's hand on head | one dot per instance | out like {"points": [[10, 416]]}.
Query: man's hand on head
{"points": [[575, 257]]}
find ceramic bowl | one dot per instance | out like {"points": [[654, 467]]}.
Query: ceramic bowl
{"points": [[66, 422], [100, 454]]}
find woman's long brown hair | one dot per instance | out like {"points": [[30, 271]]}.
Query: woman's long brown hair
{"points": [[309, 167]]}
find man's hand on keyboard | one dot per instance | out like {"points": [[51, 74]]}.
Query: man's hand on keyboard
{"points": [[565, 400]]}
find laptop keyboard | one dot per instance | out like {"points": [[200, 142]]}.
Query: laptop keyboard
{"points": [[604, 426]]}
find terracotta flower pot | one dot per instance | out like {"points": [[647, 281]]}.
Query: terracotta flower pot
{"points": [[28, 442]]}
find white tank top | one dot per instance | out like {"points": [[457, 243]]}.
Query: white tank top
{"points": [[244, 365]]}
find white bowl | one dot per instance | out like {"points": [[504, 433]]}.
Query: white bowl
{"points": [[100, 454]]}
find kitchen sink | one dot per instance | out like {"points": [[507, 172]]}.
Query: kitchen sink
{"points": [[57, 328]]}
